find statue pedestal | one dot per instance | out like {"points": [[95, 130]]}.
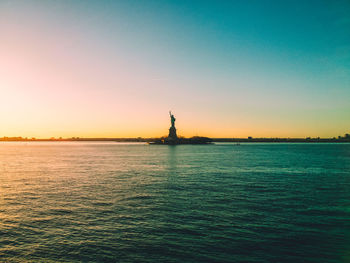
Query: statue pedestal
{"points": [[172, 133]]}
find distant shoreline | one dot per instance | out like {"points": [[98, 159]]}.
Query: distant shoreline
{"points": [[236, 140]]}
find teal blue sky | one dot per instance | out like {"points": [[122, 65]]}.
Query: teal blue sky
{"points": [[226, 68]]}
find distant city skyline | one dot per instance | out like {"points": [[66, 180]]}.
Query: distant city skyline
{"points": [[225, 69]]}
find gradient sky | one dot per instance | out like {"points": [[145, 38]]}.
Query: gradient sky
{"points": [[225, 68]]}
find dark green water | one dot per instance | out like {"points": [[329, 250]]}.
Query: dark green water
{"points": [[110, 202]]}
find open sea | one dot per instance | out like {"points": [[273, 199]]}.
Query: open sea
{"points": [[115, 202]]}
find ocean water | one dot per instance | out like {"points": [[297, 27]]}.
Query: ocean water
{"points": [[114, 202]]}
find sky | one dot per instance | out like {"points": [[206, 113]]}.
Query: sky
{"points": [[224, 68]]}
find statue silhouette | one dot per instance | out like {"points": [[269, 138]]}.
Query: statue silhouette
{"points": [[172, 138], [172, 118], [172, 130]]}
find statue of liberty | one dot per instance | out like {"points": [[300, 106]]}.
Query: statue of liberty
{"points": [[172, 118], [172, 130]]}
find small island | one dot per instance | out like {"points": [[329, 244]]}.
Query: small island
{"points": [[173, 139]]}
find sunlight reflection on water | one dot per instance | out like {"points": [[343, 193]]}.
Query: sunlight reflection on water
{"points": [[107, 202]]}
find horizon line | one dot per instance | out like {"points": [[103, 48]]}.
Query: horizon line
{"points": [[140, 138]]}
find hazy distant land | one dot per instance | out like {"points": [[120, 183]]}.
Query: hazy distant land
{"points": [[339, 139]]}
